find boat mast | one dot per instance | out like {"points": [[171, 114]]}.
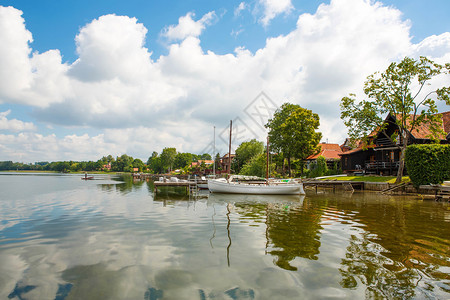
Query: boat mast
{"points": [[267, 159], [214, 153], [229, 151]]}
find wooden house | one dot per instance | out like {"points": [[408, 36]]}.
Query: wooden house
{"points": [[381, 156], [224, 160]]}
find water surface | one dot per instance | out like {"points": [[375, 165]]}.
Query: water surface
{"points": [[110, 238]]}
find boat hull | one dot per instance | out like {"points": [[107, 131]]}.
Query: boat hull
{"points": [[219, 186]]}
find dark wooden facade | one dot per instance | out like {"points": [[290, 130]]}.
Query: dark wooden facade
{"points": [[382, 157]]}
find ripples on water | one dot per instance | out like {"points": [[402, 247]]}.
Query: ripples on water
{"points": [[64, 238]]}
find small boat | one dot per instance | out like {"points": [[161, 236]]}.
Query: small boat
{"points": [[256, 187], [87, 177]]}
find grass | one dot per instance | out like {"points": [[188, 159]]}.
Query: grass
{"points": [[388, 179]]}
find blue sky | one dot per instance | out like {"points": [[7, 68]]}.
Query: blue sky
{"points": [[199, 64], [55, 24]]}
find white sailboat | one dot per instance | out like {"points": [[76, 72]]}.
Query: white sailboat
{"points": [[266, 187], [237, 184]]}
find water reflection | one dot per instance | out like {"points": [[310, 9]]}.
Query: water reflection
{"points": [[402, 250], [85, 240]]}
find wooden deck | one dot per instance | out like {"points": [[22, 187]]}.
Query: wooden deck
{"points": [[441, 192], [191, 186], [334, 184]]}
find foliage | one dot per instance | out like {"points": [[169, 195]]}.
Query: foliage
{"points": [[168, 158], [319, 168], [256, 166], [292, 131], [399, 92], [428, 163], [182, 160], [137, 163], [246, 151], [217, 162], [205, 156], [123, 163], [154, 163]]}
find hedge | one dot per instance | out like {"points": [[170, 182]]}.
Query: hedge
{"points": [[428, 164]]}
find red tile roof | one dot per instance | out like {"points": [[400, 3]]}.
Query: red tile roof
{"points": [[329, 151], [199, 162], [424, 130], [446, 121]]}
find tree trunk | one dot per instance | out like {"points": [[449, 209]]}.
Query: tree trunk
{"points": [[401, 165], [289, 165]]}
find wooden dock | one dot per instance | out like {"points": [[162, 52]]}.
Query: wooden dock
{"points": [[191, 186], [441, 192], [335, 184]]}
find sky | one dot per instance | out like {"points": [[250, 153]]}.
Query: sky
{"points": [[84, 79]]}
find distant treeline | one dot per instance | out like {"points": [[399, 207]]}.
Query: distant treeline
{"points": [[157, 163], [59, 166]]}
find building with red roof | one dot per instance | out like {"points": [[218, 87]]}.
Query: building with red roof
{"points": [[381, 156], [330, 152]]}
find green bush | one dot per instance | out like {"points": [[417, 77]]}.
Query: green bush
{"points": [[319, 168], [428, 164]]}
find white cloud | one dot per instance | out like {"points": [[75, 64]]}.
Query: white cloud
{"points": [[188, 27], [14, 125], [144, 105], [273, 8], [15, 71], [435, 47], [112, 47], [31, 147], [38, 80], [239, 9]]}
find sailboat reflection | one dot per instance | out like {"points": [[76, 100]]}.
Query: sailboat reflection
{"points": [[247, 204]]}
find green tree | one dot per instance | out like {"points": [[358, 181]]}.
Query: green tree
{"points": [[256, 166], [168, 158], [398, 91], [182, 160], [292, 131], [205, 156], [154, 163], [246, 151], [124, 163], [217, 161], [137, 163]]}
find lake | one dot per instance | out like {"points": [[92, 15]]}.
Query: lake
{"points": [[111, 238]]}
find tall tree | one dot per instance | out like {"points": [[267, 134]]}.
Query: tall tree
{"points": [[292, 131], [399, 91], [246, 151], [182, 160], [168, 158], [152, 157]]}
